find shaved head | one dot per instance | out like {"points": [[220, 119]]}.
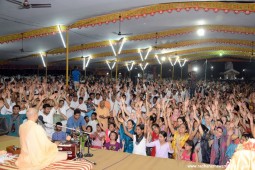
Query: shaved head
{"points": [[32, 114]]}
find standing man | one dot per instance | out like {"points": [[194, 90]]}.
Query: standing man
{"points": [[76, 77]]}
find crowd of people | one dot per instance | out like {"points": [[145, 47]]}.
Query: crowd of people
{"points": [[151, 118]]}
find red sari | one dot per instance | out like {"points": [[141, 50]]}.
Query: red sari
{"points": [[154, 137]]}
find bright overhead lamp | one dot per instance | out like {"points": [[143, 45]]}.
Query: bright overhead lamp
{"points": [[148, 51], [131, 67], [157, 59], [143, 68], [171, 62], [221, 54], [61, 36], [182, 64], [140, 53], [200, 32], [163, 58], [86, 63], [44, 65], [211, 67], [111, 67], [121, 45], [195, 69], [113, 50]]}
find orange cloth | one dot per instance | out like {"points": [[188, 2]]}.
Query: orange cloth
{"points": [[107, 104], [103, 112], [37, 151]]}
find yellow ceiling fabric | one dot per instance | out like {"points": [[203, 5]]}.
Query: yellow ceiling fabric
{"points": [[151, 10]]}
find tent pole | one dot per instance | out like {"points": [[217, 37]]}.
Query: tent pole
{"points": [[67, 56]]}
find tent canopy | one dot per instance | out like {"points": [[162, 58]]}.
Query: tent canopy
{"points": [[169, 27]]}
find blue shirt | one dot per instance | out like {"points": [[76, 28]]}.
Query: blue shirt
{"points": [[59, 136], [73, 123], [13, 123], [76, 75]]}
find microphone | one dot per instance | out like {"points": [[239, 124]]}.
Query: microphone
{"points": [[41, 119]]}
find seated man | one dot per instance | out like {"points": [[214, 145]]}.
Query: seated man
{"points": [[13, 120], [59, 135], [37, 151], [76, 122]]}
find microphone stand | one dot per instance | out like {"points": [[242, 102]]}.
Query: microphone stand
{"points": [[88, 154], [79, 155]]}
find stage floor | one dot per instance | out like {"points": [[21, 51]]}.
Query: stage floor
{"points": [[111, 160]]}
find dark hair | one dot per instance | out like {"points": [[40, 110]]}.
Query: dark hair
{"points": [[112, 124], [77, 111], [220, 128], [130, 120], [94, 113], [162, 119], [191, 143], [153, 119], [86, 117], [45, 106], [155, 124], [219, 120], [116, 135], [16, 106], [59, 123], [89, 127], [141, 126], [182, 118], [163, 133], [80, 98]]}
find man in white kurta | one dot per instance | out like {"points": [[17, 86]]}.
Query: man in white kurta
{"points": [[37, 151]]}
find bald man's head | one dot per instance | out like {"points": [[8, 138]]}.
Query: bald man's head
{"points": [[32, 114]]}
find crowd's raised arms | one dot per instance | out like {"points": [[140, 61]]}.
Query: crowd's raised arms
{"points": [[198, 122]]}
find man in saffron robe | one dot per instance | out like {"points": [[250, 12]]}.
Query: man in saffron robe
{"points": [[37, 151]]}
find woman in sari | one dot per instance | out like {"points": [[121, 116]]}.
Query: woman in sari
{"points": [[130, 127], [181, 135]]}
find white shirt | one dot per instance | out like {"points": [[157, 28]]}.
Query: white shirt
{"points": [[139, 149], [23, 112], [82, 107], [49, 128], [97, 101], [74, 104], [93, 123]]}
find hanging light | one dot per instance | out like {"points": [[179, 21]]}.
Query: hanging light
{"points": [[113, 50], [182, 64], [139, 51], [157, 59], [86, 63], [121, 45], [131, 67], [61, 36], [44, 65], [143, 68], [148, 51]]}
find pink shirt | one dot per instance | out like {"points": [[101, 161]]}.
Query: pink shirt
{"points": [[161, 150], [186, 156]]}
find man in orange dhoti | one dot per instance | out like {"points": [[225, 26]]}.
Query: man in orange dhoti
{"points": [[102, 114], [37, 151]]}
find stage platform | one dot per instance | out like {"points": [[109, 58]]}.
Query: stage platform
{"points": [[111, 160]]}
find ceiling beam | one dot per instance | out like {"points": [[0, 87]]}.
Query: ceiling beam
{"points": [[140, 12]]}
